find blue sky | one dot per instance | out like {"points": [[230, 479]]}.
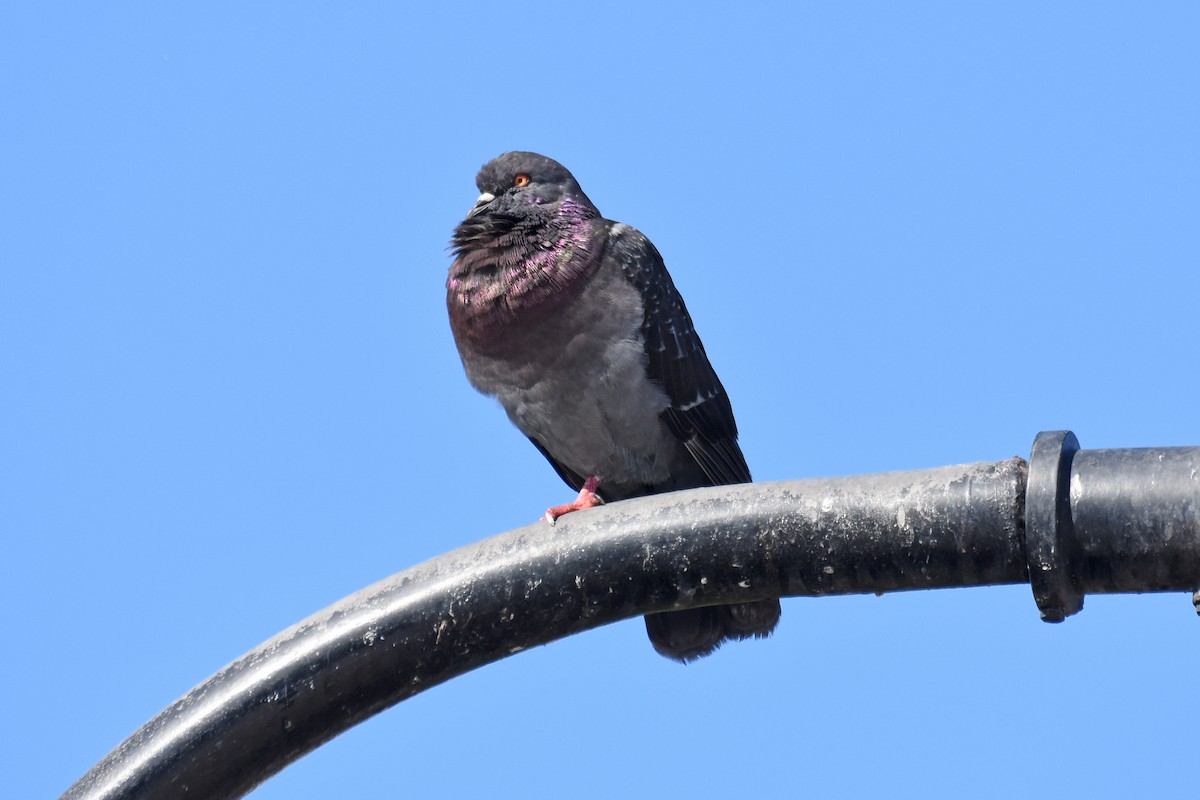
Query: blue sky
{"points": [[910, 235]]}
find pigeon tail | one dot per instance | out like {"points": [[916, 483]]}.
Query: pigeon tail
{"points": [[696, 632]]}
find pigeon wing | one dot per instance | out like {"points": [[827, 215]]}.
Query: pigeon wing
{"points": [[700, 414]]}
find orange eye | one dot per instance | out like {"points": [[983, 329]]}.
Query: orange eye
{"points": [[521, 180]]}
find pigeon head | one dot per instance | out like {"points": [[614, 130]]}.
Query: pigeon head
{"points": [[520, 184]]}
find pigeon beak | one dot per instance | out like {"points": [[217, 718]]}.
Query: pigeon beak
{"points": [[484, 200]]}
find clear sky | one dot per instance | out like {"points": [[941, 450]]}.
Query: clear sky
{"points": [[910, 234]]}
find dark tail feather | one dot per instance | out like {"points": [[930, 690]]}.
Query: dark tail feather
{"points": [[696, 632], [684, 635], [750, 620]]}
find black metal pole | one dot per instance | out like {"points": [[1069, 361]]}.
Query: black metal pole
{"points": [[1110, 521], [952, 526]]}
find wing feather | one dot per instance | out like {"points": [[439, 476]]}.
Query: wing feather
{"points": [[700, 414]]}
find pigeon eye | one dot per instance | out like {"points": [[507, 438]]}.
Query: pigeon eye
{"points": [[521, 180]]}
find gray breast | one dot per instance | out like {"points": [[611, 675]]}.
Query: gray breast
{"points": [[576, 382]]}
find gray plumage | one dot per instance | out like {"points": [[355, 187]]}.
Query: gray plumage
{"points": [[572, 322]]}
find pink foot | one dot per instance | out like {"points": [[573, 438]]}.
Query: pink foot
{"points": [[587, 499]]}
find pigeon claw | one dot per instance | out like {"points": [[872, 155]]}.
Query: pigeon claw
{"points": [[587, 499]]}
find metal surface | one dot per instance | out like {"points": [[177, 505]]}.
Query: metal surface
{"points": [[1105, 520], [955, 526], [1049, 535], [1136, 518]]}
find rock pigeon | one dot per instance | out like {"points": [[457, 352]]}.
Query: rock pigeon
{"points": [[572, 322]]}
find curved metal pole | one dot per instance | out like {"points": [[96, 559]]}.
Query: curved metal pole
{"points": [[952, 526]]}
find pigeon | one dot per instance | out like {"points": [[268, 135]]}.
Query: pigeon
{"points": [[572, 322]]}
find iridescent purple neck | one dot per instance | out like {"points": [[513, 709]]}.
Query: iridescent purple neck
{"points": [[509, 271]]}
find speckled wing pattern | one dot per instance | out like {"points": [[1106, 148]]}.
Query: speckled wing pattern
{"points": [[700, 413]]}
